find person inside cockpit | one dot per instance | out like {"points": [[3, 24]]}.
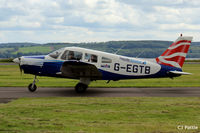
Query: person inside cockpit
{"points": [[71, 55], [93, 58]]}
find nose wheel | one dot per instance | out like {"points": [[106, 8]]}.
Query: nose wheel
{"points": [[32, 87]]}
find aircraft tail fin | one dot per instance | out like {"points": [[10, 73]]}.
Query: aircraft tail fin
{"points": [[175, 55]]}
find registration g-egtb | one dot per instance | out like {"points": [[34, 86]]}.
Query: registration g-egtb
{"points": [[88, 65]]}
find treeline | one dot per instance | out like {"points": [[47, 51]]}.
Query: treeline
{"points": [[143, 49], [13, 45]]}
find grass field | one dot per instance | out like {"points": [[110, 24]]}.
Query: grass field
{"points": [[100, 115], [10, 76], [33, 49], [8, 60], [3, 50]]}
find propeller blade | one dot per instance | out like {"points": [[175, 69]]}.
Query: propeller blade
{"points": [[20, 69], [18, 61]]}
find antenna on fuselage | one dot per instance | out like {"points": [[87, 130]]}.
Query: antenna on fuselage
{"points": [[119, 49], [140, 53]]}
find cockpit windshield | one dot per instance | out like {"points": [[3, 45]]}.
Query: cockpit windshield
{"points": [[56, 53]]}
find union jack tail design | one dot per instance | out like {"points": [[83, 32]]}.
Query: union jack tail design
{"points": [[175, 55]]}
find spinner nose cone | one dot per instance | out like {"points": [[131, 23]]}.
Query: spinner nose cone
{"points": [[16, 60]]}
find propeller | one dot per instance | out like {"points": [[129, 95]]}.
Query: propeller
{"points": [[18, 61], [20, 68]]}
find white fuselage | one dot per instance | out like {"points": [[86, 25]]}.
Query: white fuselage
{"points": [[111, 66]]}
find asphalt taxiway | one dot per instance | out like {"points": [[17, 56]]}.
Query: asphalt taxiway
{"points": [[9, 93]]}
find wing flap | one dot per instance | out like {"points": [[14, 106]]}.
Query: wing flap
{"points": [[77, 69]]}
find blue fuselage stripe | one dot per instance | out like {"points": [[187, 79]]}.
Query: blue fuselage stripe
{"points": [[36, 57]]}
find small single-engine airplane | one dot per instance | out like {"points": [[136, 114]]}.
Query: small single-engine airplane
{"points": [[89, 65]]}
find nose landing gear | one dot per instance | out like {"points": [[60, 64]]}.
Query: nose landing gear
{"points": [[32, 87]]}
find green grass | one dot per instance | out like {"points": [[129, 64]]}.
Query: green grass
{"points": [[7, 60], [10, 76], [192, 60], [34, 49], [3, 50], [99, 115]]}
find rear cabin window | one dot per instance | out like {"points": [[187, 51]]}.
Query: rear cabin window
{"points": [[91, 58], [71, 55], [106, 60]]}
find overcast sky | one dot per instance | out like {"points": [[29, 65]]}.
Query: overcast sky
{"points": [[43, 21]]}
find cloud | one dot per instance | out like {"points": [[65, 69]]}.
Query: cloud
{"points": [[180, 26], [97, 20]]}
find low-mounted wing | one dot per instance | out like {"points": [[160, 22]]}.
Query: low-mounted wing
{"points": [[78, 69]]}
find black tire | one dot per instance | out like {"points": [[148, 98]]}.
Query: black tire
{"points": [[32, 89], [80, 88]]}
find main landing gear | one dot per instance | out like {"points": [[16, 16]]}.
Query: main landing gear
{"points": [[32, 87], [82, 86]]}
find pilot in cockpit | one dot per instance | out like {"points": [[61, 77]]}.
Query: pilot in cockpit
{"points": [[71, 55], [93, 58]]}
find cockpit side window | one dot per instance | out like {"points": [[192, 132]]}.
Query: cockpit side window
{"points": [[71, 55], [106, 60], [91, 58], [56, 53]]}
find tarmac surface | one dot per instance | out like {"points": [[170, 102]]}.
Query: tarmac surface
{"points": [[10, 93]]}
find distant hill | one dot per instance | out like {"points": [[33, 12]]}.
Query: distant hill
{"points": [[24, 44], [143, 49]]}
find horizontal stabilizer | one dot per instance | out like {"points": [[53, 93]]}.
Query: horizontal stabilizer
{"points": [[179, 73]]}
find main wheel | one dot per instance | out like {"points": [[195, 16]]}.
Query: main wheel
{"points": [[80, 88], [32, 88]]}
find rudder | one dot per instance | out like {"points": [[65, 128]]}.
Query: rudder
{"points": [[175, 55]]}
